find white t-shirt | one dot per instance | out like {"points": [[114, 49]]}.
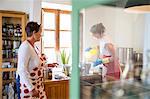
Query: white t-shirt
{"points": [[102, 44], [27, 60]]}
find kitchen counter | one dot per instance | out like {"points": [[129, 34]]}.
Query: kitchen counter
{"points": [[91, 87], [111, 89], [57, 89]]}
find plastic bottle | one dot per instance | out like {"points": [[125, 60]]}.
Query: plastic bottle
{"points": [[10, 92]]}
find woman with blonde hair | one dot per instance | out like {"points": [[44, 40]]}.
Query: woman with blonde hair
{"points": [[107, 50]]}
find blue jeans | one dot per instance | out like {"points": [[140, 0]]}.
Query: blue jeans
{"points": [[18, 86]]}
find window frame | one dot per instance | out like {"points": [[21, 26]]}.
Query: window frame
{"points": [[57, 29]]}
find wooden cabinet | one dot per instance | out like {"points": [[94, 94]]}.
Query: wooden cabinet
{"points": [[57, 89], [12, 33]]}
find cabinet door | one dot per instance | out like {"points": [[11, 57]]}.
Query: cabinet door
{"points": [[57, 90]]}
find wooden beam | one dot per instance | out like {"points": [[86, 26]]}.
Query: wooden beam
{"points": [[57, 30]]}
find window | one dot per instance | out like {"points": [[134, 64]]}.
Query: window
{"points": [[56, 33]]}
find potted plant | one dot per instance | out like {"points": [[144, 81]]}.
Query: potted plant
{"points": [[65, 61], [64, 57]]}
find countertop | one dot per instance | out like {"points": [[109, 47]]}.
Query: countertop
{"points": [[56, 80], [111, 89]]}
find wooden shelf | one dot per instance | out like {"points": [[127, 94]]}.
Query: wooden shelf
{"points": [[14, 38], [8, 69], [8, 81], [9, 59], [12, 60]]}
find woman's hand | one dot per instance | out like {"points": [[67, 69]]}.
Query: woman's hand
{"points": [[35, 93], [97, 62]]}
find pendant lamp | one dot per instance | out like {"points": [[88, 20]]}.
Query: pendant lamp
{"points": [[137, 6]]}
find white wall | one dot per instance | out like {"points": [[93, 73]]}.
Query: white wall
{"points": [[66, 2], [139, 24], [31, 7], [37, 10], [125, 29]]}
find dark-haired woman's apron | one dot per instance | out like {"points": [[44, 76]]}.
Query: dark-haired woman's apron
{"points": [[36, 76]]}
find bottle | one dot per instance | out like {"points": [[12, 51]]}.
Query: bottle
{"points": [[45, 73], [18, 29], [15, 44], [10, 91], [11, 30], [4, 29], [4, 53], [50, 74], [5, 92], [101, 74]]}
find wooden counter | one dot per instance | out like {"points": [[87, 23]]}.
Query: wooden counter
{"points": [[57, 89]]}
